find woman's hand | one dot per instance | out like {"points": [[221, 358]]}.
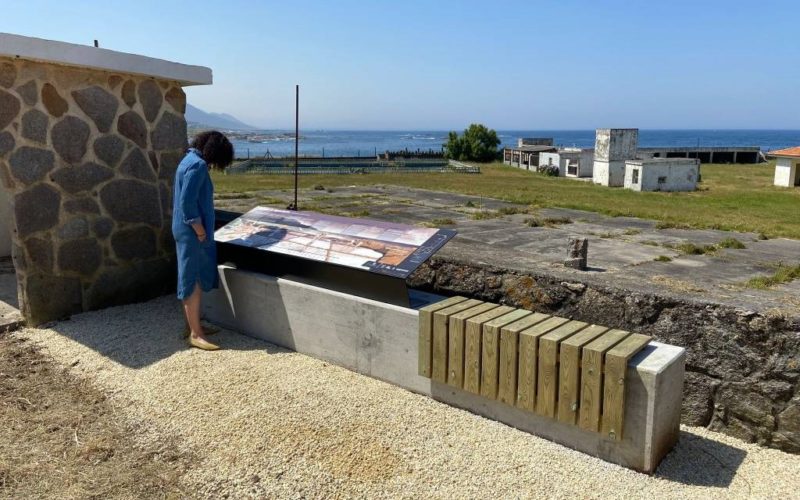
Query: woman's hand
{"points": [[200, 231]]}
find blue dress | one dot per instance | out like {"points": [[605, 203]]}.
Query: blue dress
{"points": [[194, 202]]}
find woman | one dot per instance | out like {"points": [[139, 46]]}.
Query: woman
{"points": [[193, 227]]}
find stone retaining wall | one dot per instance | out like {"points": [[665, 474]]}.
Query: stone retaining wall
{"points": [[742, 367], [88, 160]]}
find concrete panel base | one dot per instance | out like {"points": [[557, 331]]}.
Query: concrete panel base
{"points": [[380, 340]]}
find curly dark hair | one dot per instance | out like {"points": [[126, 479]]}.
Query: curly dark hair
{"points": [[215, 148]]}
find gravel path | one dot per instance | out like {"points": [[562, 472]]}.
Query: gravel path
{"points": [[269, 422]]}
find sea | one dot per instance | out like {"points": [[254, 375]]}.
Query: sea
{"points": [[369, 143]]}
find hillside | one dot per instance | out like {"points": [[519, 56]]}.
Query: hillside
{"points": [[198, 118]]}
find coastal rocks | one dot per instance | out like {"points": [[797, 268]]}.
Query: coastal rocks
{"points": [[53, 102], [9, 108], [29, 165], [170, 133], [34, 126], [98, 105], [132, 126], [151, 99], [69, 138]]}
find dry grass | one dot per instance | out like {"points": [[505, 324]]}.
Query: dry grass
{"points": [[61, 438]]}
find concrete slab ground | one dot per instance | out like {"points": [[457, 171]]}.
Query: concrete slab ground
{"points": [[622, 250]]}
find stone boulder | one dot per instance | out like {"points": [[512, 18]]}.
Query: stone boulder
{"points": [[98, 104], [69, 137]]}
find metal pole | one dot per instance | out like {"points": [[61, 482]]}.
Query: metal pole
{"points": [[296, 139]]}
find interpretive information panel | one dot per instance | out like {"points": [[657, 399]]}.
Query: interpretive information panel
{"points": [[381, 247]]}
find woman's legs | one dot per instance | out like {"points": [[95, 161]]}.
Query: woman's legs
{"points": [[191, 308]]}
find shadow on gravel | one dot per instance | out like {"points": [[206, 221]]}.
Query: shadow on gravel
{"points": [[139, 335], [698, 461]]}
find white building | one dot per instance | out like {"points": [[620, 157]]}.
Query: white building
{"points": [[612, 147], [787, 168], [662, 174]]}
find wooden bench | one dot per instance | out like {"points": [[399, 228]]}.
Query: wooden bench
{"points": [[558, 368]]}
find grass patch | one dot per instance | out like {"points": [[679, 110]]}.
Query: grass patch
{"points": [[690, 248], [547, 221], [631, 232], [739, 197], [513, 210], [439, 223], [731, 243], [486, 214], [782, 274], [663, 258]]}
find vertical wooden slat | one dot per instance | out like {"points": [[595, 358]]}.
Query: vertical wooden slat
{"points": [[547, 379], [614, 383], [491, 363], [569, 372], [528, 356], [439, 357], [592, 378], [425, 344], [455, 342], [472, 347], [510, 355]]}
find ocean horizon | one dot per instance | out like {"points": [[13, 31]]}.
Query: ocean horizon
{"points": [[322, 142]]}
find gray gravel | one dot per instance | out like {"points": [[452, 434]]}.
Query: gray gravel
{"points": [[268, 422]]}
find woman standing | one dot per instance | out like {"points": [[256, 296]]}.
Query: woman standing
{"points": [[193, 227]]}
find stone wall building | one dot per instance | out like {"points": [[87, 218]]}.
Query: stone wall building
{"points": [[662, 174], [89, 142]]}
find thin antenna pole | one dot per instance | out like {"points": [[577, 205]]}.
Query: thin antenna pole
{"points": [[296, 138]]}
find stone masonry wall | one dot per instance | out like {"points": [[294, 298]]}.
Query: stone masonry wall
{"points": [[88, 158], [742, 367]]}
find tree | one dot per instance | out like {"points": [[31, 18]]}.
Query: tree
{"points": [[478, 143]]}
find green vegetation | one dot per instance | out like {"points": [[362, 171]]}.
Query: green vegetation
{"points": [[782, 274], [690, 248], [439, 223], [731, 243], [738, 198], [547, 221], [478, 143], [663, 258]]}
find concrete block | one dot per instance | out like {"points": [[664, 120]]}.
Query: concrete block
{"points": [[381, 340]]}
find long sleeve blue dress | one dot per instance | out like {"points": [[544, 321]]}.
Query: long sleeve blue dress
{"points": [[194, 202]]}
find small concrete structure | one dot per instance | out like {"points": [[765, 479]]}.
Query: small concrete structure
{"points": [[89, 142], [613, 146], [787, 167], [662, 174], [525, 157], [381, 341]]}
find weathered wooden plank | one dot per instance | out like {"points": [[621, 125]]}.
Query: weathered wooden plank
{"points": [[547, 379], [455, 344], [491, 363], [425, 345], [472, 347], [510, 367], [569, 372], [592, 378], [439, 356], [528, 354], [614, 383]]}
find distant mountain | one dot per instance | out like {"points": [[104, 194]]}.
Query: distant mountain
{"points": [[199, 118]]}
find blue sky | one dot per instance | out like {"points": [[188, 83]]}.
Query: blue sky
{"points": [[411, 64]]}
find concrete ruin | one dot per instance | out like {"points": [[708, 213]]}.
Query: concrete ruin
{"points": [[662, 174], [613, 146], [89, 142], [787, 167]]}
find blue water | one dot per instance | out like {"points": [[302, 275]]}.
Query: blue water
{"points": [[367, 143]]}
